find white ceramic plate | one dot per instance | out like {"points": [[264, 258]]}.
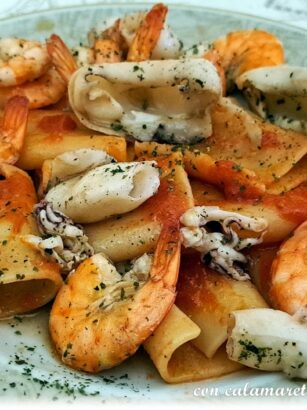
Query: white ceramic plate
{"points": [[28, 366]]}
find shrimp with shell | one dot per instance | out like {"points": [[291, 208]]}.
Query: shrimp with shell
{"points": [[105, 49], [241, 51], [44, 91], [61, 57], [21, 61], [100, 318], [144, 36], [288, 290], [13, 130], [110, 45], [148, 33]]}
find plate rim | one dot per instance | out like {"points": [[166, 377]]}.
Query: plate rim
{"points": [[281, 24]]}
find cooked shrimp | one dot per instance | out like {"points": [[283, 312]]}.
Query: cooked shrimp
{"points": [[107, 51], [61, 57], [46, 90], [110, 46], [289, 275], [244, 50], [99, 318], [21, 61], [13, 130], [148, 34]]}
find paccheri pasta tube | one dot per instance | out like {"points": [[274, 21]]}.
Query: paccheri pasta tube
{"points": [[51, 133], [27, 279], [175, 356]]}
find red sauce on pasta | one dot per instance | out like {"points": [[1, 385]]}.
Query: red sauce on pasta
{"points": [[269, 140], [17, 198], [235, 182], [57, 124], [172, 199], [291, 205], [195, 282]]}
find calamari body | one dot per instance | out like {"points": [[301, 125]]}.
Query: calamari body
{"points": [[269, 340], [278, 94], [167, 100], [106, 190]]}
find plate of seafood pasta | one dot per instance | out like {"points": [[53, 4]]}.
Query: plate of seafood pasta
{"points": [[153, 204]]}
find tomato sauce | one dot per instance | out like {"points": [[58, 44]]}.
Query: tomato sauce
{"points": [[17, 198], [195, 283], [291, 205], [172, 198], [235, 182], [270, 140], [57, 124]]}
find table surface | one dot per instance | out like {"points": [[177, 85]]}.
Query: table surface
{"points": [[292, 12]]}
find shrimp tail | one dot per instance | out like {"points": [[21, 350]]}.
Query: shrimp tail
{"points": [[61, 57], [14, 127], [148, 34]]}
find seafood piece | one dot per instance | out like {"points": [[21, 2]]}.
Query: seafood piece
{"points": [[215, 58], [166, 100], [288, 291], [148, 37], [267, 339], [46, 90], [21, 61], [67, 62], [283, 213], [210, 230], [61, 240], [147, 34], [14, 125], [100, 318], [28, 280], [197, 50], [143, 225], [71, 164], [109, 46], [241, 51], [83, 55], [107, 51], [92, 336], [203, 50], [61, 57], [106, 190], [277, 94]]}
